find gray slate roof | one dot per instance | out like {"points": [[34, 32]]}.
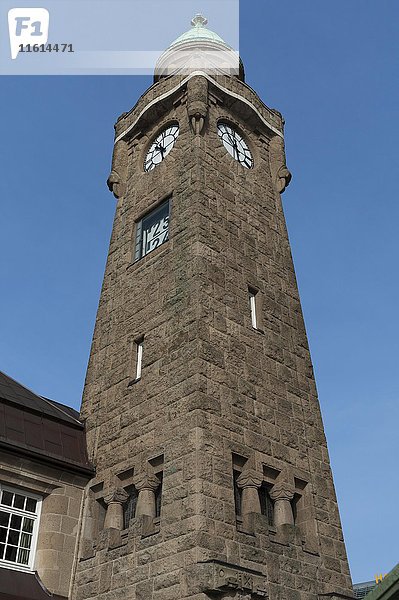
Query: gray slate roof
{"points": [[16, 393], [43, 430]]}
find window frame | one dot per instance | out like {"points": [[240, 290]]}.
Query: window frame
{"points": [[130, 506], [158, 495], [139, 229], [237, 493], [35, 516], [136, 346], [139, 358], [252, 293], [266, 503]]}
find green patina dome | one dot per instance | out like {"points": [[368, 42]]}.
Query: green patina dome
{"points": [[199, 48], [199, 33]]}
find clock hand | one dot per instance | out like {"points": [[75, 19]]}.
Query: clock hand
{"points": [[235, 147], [233, 143], [160, 149]]}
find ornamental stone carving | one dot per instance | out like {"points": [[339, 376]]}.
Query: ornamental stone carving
{"points": [[114, 516], [281, 175], [117, 179], [197, 103], [250, 481], [282, 494], [146, 483]]}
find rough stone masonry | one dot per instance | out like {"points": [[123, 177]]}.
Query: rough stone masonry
{"points": [[212, 471]]}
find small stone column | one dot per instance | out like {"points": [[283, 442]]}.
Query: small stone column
{"points": [[249, 482], [115, 501], [282, 493], [146, 484]]}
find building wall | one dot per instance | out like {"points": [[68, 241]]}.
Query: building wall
{"points": [[215, 393], [60, 519]]}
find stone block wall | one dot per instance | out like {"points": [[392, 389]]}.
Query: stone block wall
{"points": [[62, 495], [215, 395]]}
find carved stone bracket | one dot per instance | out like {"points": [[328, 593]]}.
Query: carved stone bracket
{"points": [[117, 496], [117, 179], [116, 185], [115, 501], [280, 174], [249, 478], [282, 490], [197, 103], [282, 494], [250, 481], [146, 483]]}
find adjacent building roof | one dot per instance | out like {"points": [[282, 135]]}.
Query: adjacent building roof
{"points": [[18, 394], [25, 586], [360, 590], [388, 588], [40, 428]]}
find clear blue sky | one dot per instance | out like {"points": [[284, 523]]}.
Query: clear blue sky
{"points": [[332, 69]]}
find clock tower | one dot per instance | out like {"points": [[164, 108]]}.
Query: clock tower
{"points": [[213, 478]]}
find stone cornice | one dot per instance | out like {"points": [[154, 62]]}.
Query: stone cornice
{"points": [[175, 89]]}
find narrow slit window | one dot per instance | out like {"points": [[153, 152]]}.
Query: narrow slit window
{"points": [[266, 503], [252, 305], [158, 495], [129, 508], [139, 358], [237, 492]]}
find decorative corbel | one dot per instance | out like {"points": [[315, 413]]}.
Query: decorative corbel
{"points": [[115, 501], [197, 103], [117, 179], [282, 494], [280, 173], [146, 483], [249, 482]]}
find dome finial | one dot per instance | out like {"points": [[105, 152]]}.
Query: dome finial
{"points": [[199, 21]]}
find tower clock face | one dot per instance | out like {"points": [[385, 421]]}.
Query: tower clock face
{"points": [[235, 145], [161, 147]]}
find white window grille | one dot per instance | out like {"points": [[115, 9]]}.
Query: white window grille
{"points": [[19, 523]]}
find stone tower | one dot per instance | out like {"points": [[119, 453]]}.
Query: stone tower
{"points": [[212, 472]]}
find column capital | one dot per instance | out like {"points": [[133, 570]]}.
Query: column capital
{"points": [[146, 481], [116, 496], [249, 478], [282, 490]]}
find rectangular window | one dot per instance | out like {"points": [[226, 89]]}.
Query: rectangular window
{"points": [[152, 231], [129, 508], [266, 503], [237, 492], [252, 305], [19, 522], [139, 358], [158, 495]]}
